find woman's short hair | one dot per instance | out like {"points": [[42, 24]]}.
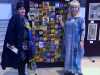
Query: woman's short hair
{"points": [[75, 3], [20, 4]]}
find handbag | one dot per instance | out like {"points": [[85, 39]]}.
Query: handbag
{"points": [[15, 50]]}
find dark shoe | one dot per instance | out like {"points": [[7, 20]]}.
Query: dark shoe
{"points": [[3, 66], [80, 74], [68, 73]]}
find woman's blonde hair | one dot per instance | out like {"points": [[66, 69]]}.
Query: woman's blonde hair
{"points": [[74, 3]]}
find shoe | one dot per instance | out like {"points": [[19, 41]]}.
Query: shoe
{"points": [[68, 73], [80, 73]]}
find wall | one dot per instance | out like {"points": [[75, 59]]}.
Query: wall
{"points": [[92, 49]]}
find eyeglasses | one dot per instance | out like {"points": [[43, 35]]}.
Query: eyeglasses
{"points": [[74, 8]]}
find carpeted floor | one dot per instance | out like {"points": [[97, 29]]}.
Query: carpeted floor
{"points": [[89, 67]]}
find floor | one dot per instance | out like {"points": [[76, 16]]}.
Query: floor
{"points": [[90, 66]]}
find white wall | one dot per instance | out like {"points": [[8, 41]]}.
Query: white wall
{"points": [[82, 12], [5, 11]]}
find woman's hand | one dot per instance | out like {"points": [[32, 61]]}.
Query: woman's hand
{"points": [[82, 44]]}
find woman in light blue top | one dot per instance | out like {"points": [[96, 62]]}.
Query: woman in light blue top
{"points": [[74, 30]]}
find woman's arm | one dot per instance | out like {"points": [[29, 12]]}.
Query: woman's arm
{"points": [[83, 30], [82, 34]]}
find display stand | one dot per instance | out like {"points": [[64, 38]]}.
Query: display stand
{"points": [[47, 19]]}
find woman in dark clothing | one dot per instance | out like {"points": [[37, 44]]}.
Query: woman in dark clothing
{"points": [[17, 35]]}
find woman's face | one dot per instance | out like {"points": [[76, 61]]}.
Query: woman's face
{"points": [[22, 11], [74, 10]]}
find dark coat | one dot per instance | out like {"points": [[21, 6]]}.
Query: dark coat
{"points": [[14, 36]]}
